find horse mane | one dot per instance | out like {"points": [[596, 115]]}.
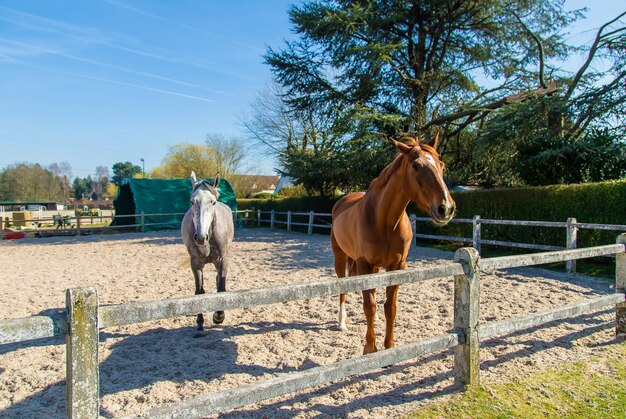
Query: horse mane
{"points": [[386, 173]]}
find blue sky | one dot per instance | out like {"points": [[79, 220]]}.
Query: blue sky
{"points": [[94, 82]]}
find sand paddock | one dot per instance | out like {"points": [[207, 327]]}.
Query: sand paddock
{"points": [[148, 364]]}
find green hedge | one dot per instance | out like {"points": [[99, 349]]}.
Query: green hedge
{"points": [[603, 203], [301, 204]]}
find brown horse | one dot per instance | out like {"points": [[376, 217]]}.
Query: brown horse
{"points": [[371, 230]]}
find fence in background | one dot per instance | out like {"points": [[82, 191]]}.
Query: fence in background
{"points": [[314, 219], [571, 227], [84, 317], [93, 224]]}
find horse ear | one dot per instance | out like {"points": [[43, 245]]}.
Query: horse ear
{"points": [[216, 182], [434, 141], [193, 178], [402, 148]]}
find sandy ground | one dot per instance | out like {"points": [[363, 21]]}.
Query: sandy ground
{"points": [[146, 365]]}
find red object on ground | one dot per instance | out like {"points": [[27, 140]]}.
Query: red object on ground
{"points": [[10, 234]]}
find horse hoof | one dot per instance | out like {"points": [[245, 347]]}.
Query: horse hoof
{"points": [[342, 328], [368, 350], [218, 317], [200, 334]]}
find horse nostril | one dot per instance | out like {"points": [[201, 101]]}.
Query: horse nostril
{"points": [[195, 237], [442, 210], [206, 237]]}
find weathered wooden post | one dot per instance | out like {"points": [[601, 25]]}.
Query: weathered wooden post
{"points": [[143, 222], [83, 393], [572, 237], [78, 223], [288, 220], [311, 217], [620, 286], [272, 219], [466, 314], [476, 233]]}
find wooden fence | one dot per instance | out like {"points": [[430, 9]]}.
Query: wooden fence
{"points": [[314, 219], [92, 224], [571, 226], [571, 233], [84, 317]]}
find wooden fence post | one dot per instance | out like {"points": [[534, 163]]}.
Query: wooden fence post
{"points": [[466, 314], [620, 286], [572, 237], [311, 217], [143, 222], [476, 233], [83, 393], [258, 217], [272, 219], [78, 223], [288, 220]]}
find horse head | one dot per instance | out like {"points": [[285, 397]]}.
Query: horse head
{"points": [[204, 196], [424, 182]]}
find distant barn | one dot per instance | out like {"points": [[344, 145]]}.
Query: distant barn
{"points": [[160, 196]]}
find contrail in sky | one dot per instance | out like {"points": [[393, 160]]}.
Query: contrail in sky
{"points": [[95, 38], [126, 69], [182, 25], [121, 83]]}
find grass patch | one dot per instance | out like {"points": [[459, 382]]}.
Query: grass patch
{"points": [[591, 389]]}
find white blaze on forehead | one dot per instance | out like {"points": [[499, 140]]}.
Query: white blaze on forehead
{"points": [[431, 160]]}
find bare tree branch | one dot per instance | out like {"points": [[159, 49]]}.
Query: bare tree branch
{"points": [[590, 56], [516, 98], [542, 81]]}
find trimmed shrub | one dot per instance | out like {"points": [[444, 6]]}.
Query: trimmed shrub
{"points": [[602, 203]]}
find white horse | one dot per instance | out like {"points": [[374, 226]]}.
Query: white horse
{"points": [[208, 231]]}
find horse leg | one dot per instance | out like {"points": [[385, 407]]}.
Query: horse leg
{"points": [[390, 314], [341, 259], [222, 271], [199, 278], [390, 309], [369, 307]]}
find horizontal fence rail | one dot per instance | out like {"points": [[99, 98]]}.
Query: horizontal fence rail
{"points": [[296, 381], [34, 327], [138, 312], [572, 226], [87, 224], [288, 215], [515, 324], [83, 317]]}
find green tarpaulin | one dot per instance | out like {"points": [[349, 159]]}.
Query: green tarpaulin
{"points": [[169, 197]]}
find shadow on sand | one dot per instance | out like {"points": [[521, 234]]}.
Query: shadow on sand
{"points": [[139, 361]]}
